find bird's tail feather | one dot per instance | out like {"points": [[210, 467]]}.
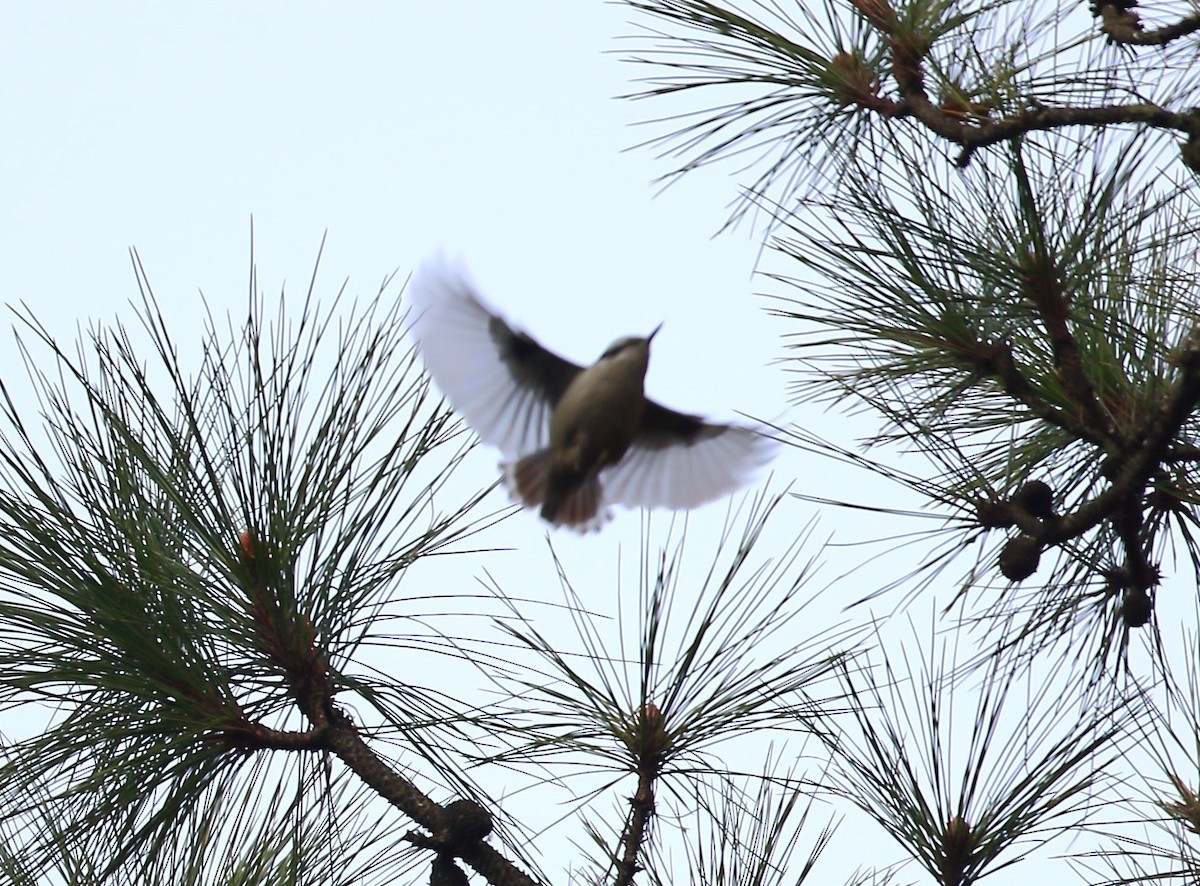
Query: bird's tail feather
{"points": [[525, 479], [582, 509]]}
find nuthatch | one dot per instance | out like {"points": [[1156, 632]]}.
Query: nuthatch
{"points": [[576, 438]]}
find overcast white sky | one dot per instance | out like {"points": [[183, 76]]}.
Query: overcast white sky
{"points": [[488, 129]]}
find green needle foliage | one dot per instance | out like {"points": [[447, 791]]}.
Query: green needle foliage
{"points": [[966, 793], [983, 226], [1037, 343], [668, 717], [174, 543], [1164, 798], [1025, 319], [752, 840]]}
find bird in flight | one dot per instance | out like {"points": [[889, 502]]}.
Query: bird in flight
{"points": [[575, 439]]}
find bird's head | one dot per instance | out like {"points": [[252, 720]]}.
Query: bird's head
{"points": [[631, 344]]}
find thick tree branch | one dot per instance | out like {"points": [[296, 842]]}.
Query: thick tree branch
{"points": [[650, 744], [996, 361], [1042, 118], [290, 641], [641, 811], [1044, 287], [1122, 502], [1122, 25], [1182, 453], [254, 737], [344, 741], [909, 49]]}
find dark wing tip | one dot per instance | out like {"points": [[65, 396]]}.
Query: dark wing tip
{"points": [[530, 364], [500, 380], [682, 461], [666, 427]]}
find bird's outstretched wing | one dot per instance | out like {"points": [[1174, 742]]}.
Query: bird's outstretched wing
{"points": [[500, 380], [682, 461]]}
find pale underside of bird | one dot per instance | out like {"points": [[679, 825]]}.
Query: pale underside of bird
{"points": [[575, 439]]}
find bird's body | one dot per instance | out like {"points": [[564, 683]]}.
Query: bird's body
{"points": [[593, 425], [576, 437]]}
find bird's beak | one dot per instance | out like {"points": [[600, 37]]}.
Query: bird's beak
{"points": [[650, 337]]}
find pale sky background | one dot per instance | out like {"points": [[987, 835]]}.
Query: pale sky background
{"points": [[487, 129]]}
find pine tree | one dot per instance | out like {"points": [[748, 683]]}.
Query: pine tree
{"points": [[982, 225]]}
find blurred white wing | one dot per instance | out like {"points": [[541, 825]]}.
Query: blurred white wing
{"points": [[685, 470], [501, 381]]}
